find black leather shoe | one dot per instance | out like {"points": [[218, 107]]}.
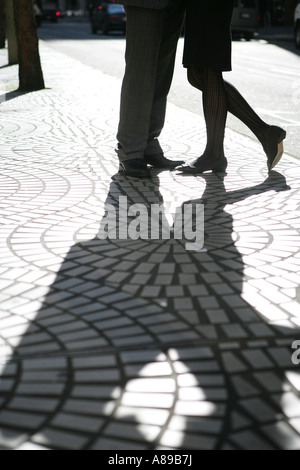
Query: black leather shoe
{"points": [[159, 161], [137, 168], [273, 145]]}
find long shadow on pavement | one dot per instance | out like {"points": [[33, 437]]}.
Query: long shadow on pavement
{"points": [[143, 345]]}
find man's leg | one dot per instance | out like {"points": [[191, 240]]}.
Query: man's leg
{"points": [[143, 38], [173, 24]]}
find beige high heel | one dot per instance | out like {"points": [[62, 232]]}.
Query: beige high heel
{"points": [[280, 151], [274, 145]]}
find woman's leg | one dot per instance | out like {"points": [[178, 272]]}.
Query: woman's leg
{"points": [[269, 136], [211, 82]]}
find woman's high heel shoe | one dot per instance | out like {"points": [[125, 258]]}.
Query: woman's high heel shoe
{"points": [[273, 145], [203, 164]]}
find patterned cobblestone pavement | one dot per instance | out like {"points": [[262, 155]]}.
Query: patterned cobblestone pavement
{"points": [[140, 344]]}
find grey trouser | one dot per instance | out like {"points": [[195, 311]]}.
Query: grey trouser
{"points": [[151, 42]]}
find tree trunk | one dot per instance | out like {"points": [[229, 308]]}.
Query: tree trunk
{"points": [[30, 70], [11, 33], [2, 24]]}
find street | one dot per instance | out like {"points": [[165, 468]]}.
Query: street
{"points": [[268, 75]]}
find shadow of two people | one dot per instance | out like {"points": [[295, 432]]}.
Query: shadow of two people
{"points": [[126, 351]]}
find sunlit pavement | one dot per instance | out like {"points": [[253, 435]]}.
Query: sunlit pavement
{"points": [[140, 344]]}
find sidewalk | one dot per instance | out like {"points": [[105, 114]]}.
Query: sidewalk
{"points": [[136, 345]]}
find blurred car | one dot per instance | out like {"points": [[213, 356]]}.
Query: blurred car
{"points": [[297, 26], [108, 17], [245, 18], [51, 11], [51, 14]]}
